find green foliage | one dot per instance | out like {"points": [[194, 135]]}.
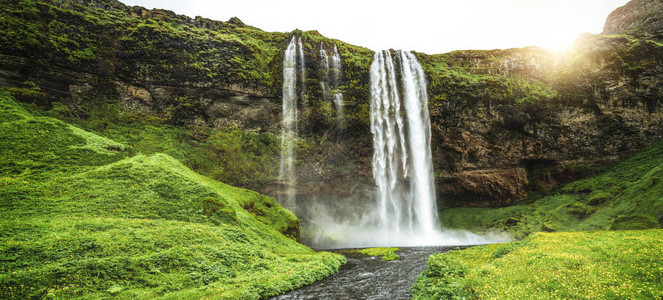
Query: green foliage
{"points": [[636, 222], [441, 280], [449, 80], [387, 253], [244, 158], [571, 265], [31, 94], [84, 217], [229, 155], [629, 190], [19, 26]]}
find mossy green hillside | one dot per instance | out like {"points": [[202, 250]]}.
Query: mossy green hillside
{"points": [[35, 145], [237, 157], [83, 216], [627, 195], [568, 265], [387, 253]]}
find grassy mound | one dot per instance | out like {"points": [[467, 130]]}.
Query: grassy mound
{"points": [[82, 216], [570, 265], [387, 253], [627, 195]]}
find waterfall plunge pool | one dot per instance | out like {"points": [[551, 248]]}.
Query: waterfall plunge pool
{"points": [[365, 277]]}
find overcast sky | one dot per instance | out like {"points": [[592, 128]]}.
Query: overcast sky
{"points": [[425, 26]]}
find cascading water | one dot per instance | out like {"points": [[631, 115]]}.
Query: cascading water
{"points": [[330, 75], [287, 174], [302, 70], [336, 78], [404, 212], [324, 76], [402, 157]]}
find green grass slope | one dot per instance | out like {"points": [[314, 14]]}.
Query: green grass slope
{"points": [[627, 195], [83, 216], [569, 265], [237, 157]]}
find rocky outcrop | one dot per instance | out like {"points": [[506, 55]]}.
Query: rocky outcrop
{"points": [[487, 161], [638, 17], [485, 187], [219, 108]]}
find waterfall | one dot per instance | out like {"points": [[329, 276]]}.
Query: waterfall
{"points": [[287, 175], [401, 141], [324, 73], [302, 70], [330, 77], [403, 212], [336, 76]]}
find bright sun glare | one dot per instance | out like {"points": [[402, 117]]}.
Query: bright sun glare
{"points": [[558, 40], [551, 24]]}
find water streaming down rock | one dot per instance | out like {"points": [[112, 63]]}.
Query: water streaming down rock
{"points": [[287, 174], [336, 80], [324, 73], [401, 141], [302, 70], [330, 75]]}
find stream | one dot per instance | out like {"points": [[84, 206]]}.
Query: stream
{"points": [[365, 277]]}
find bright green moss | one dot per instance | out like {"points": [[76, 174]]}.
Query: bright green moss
{"points": [[387, 253], [570, 265]]}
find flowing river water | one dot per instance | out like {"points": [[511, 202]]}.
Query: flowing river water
{"points": [[365, 277]]}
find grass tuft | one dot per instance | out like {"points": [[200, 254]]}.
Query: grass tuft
{"points": [[387, 253]]}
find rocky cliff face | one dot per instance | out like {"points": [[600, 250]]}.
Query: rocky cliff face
{"points": [[505, 122], [83, 52], [638, 17]]}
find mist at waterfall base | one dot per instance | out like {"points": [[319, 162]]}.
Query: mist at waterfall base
{"points": [[400, 209], [328, 223]]}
